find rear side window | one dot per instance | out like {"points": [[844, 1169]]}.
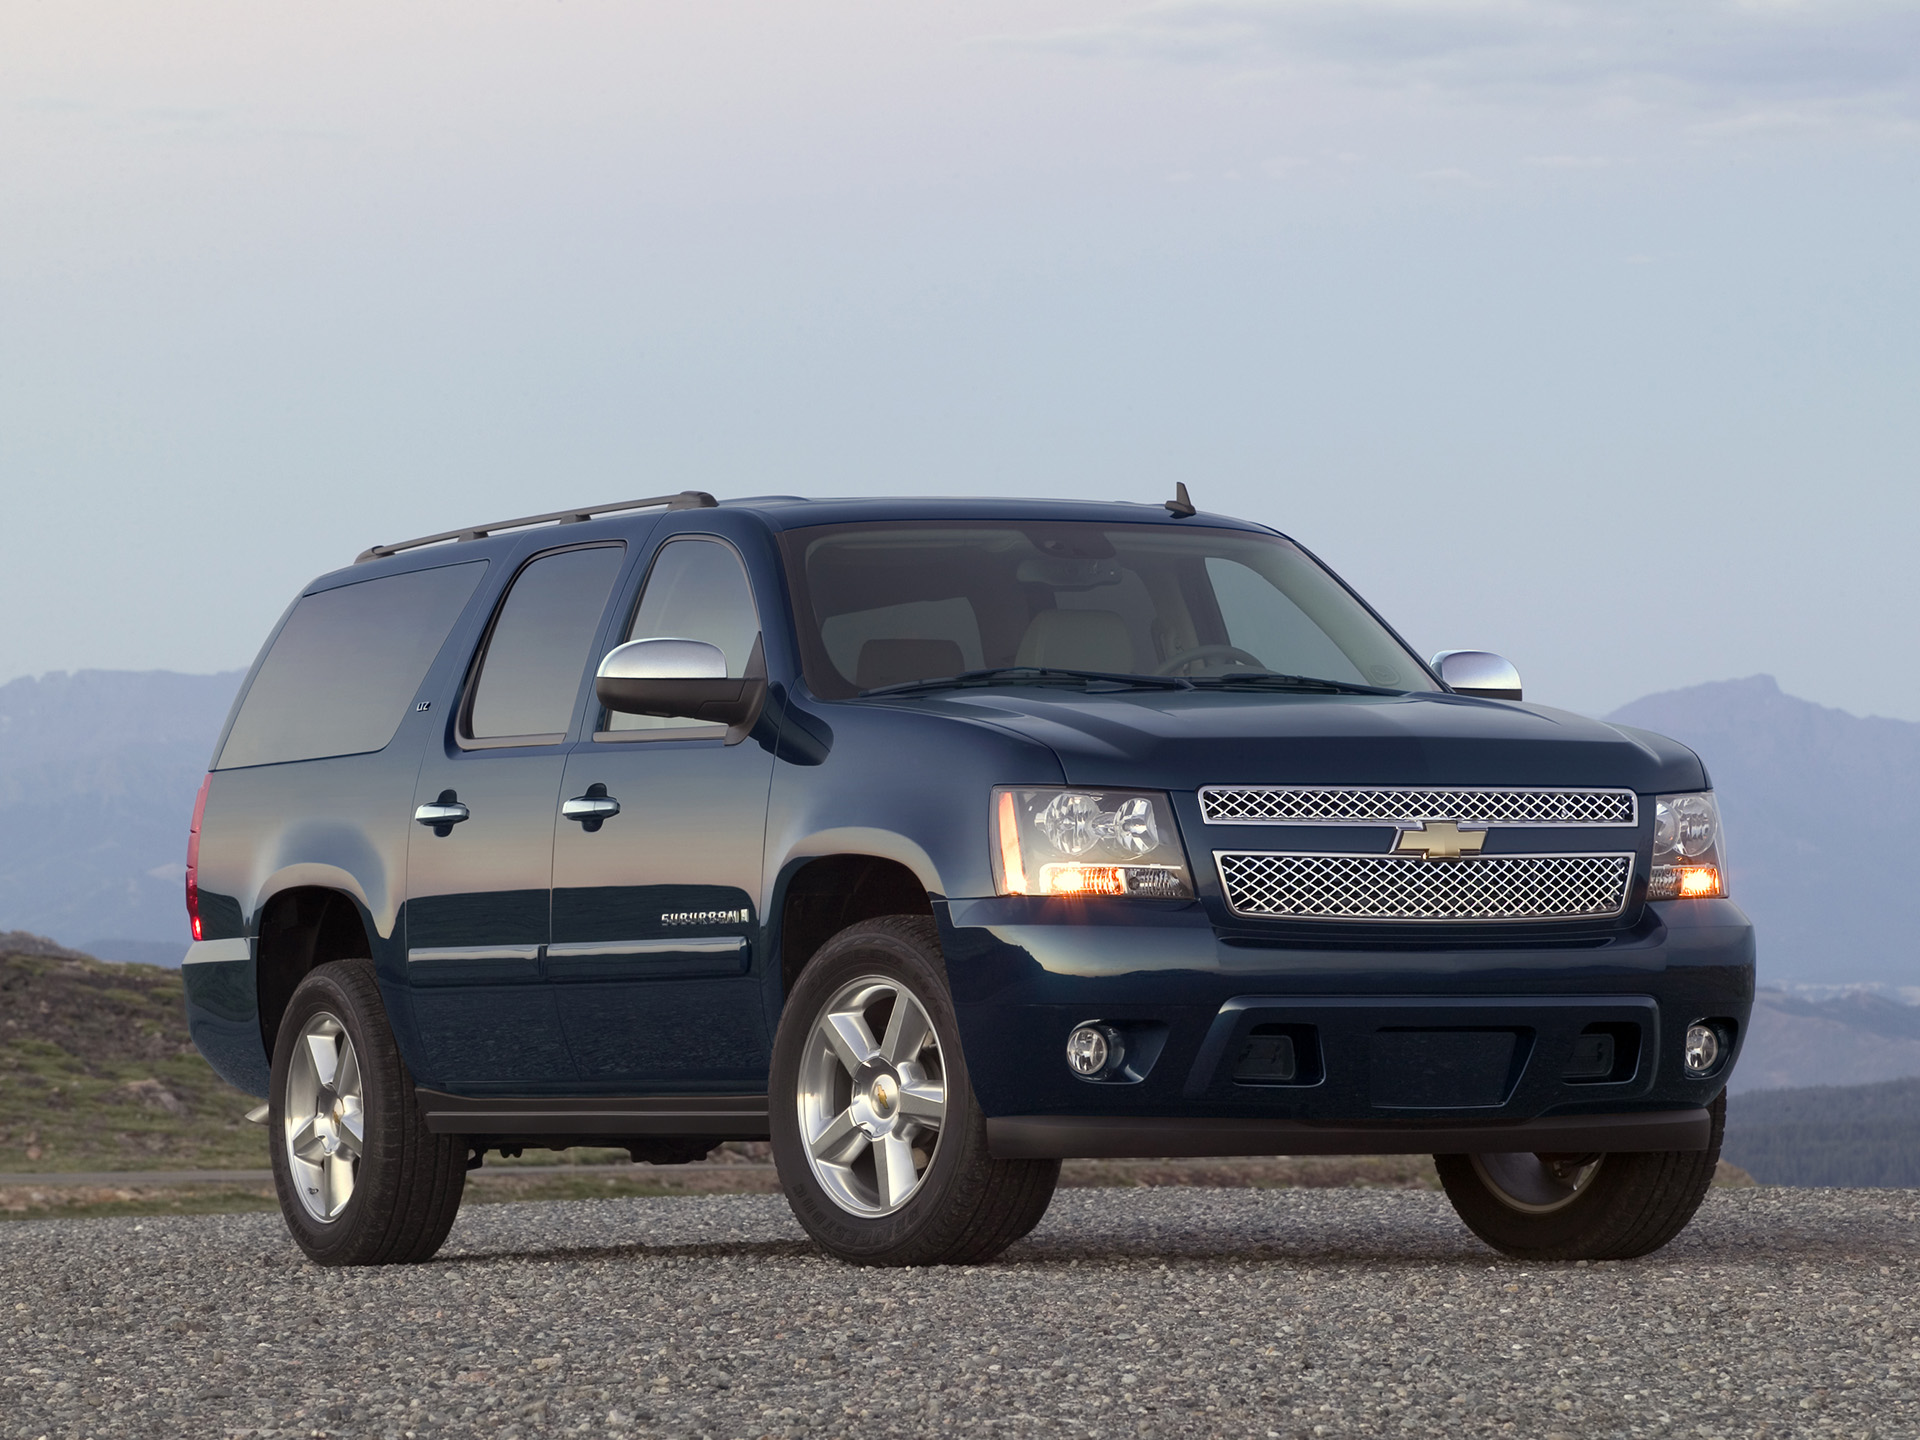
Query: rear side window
{"points": [[541, 641], [345, 667]]}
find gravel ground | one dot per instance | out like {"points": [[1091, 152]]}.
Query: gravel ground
{"points": [[1155, 1312]]}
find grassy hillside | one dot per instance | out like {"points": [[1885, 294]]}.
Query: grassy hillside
{"points": [[1847, 1135], [97, 1071]]}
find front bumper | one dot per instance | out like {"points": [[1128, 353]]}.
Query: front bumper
{"points": [[1439, 1050]]}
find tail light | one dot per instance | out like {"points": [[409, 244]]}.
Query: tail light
{"points": [[193, 858]]}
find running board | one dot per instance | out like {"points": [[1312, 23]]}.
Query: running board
{"points": [[587, 1117], [1112, 1137]]}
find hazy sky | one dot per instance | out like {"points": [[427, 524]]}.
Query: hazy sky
{"points": [[1583, 330]]}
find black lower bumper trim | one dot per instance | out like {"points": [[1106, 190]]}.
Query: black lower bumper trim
{"points": [[1110, 1137], [724, 1117]]}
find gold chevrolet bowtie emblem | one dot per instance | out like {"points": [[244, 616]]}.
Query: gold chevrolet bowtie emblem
{"points": [[1440, 840]]}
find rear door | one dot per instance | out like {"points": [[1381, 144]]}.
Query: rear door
{"points": [[655, 918], [480, 861]]}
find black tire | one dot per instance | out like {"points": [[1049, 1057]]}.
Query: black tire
{"points": [[407, 1182], [967, 1206], [1630, 1204]]}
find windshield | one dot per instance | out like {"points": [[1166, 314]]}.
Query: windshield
{"points": [[897, 602]]}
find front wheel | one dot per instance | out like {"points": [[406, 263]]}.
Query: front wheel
{"points": [[880, 1144], [1581, 1207], [362, 1181]]}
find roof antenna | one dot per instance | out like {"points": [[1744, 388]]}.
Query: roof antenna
{"points": [[1180, 505]]}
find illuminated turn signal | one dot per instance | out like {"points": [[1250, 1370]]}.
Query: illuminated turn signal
{"points": [[1699, 882], [1082, 880], [1686, 882]]}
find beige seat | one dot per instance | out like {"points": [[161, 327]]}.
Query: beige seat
{"points": [[1077, 640]]}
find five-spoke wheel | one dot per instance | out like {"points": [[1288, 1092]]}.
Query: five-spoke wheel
{"points": [[881, 1146], [362, 1179], [324, 1116], [872, 1110]]}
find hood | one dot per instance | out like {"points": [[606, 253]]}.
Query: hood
{"points": [[1180, 740]]}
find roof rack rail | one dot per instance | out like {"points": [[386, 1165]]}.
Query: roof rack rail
{"points": [[685, 500]]}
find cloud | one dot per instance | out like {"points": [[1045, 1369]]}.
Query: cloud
{"points": [[1776, 55]]}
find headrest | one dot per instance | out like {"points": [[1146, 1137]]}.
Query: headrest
{"points": [[893, 662], [1077, 640]]}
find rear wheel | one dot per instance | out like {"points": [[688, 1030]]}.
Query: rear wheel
{"points": [[362, 1181], [1581, 1207], [881, 1147]]}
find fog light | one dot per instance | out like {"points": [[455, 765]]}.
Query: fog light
{"points": [[1094, 1050], [1703, 1049]]}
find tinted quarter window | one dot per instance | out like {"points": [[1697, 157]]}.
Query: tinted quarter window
{"points": [[540, 645], [346, 665], [696, 590]]}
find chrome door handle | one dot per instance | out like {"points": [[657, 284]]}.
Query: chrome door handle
{"points": [[442, 815], [591, 808]]}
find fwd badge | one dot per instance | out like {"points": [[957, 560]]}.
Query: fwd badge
{"points": [[1440, 840]]}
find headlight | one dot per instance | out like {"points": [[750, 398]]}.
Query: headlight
{"points": [[1689, 854], [1058, 841]]}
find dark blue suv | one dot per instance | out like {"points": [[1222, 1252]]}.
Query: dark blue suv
{"points": [[937, 841]]}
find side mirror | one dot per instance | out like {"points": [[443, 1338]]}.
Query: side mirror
{"points": [[678, 678], [1478, 672]]}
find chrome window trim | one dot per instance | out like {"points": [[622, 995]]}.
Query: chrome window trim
{"points": [[507, 742], [1206, 792], [677, 732], [1226, 889]]}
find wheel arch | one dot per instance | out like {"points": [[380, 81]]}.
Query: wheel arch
{"points": [[298, 927], [819, 895]]}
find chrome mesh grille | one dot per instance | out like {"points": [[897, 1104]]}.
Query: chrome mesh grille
{"points": [[1392, 887], [1392, 805]]}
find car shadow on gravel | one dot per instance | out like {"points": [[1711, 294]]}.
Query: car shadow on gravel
{"points": [[1303, 1228], [576, 1254]]}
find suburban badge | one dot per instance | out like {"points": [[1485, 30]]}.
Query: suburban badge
{"points": [[705, 917]]}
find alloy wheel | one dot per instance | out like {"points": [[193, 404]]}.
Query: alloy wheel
{"points": [[1537, 1184], [871, 1110], [324, 1117]]}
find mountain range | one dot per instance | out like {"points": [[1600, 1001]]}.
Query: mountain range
{"points": [[98, 771], [1817, 805]]}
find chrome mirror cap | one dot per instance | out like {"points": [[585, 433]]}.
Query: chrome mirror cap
{"points": [[1478, 672], [665, 658], [682, 679]]}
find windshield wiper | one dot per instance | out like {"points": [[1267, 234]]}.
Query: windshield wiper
{"points": [[1267, 680], [1031, 675]]}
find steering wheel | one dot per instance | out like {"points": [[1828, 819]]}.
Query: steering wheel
{"points": [[1211, 652]]}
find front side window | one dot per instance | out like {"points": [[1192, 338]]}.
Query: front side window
{"points": [[895, 603], [344, 668], [538, 649], [696, 590]]}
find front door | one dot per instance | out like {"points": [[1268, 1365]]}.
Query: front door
{"points": [[655, 907], [480, 860]]}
